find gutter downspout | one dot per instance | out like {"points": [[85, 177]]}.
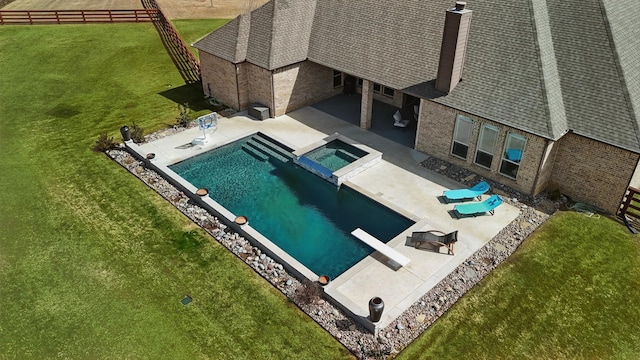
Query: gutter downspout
{"points": [[273, 93], [238, 87]]}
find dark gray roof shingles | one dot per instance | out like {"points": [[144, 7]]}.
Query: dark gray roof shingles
{"points": [[291, 31], [229, 41], [594, 95], [542, 66]]}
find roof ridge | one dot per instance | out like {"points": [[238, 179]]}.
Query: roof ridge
{"points": [[271, 36], [619, 70], [243, 30], [548, 67]]}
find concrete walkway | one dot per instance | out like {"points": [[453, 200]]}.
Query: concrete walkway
{"points": [[398, 182]]}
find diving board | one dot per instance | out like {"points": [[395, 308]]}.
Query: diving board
{"points": [[383, 248]]}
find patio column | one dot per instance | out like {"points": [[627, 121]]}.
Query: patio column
{"points": [[366, 104]]}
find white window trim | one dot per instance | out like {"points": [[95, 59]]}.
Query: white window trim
{"points": [[504, 152], [337, 74], [493, 149], [455, 131]]}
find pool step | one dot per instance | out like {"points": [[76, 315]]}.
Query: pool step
{"points": [[258, 147], [270, 144], [347, 155], [255, 153], [322, 154]]}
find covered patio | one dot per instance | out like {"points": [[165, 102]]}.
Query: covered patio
{"points": [[346, 107]]}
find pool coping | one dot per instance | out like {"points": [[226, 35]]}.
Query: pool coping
{"points": [[291, 264]]}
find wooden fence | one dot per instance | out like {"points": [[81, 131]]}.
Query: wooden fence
{"points": [[630, 208], [36, 17], [186, 63]]}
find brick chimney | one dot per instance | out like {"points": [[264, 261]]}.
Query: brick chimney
{"points": [[454, 45]]}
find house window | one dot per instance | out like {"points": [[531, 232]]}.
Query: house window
{"points": [[388, 91], [462, 136], [513, 152], [486, 145], [337, 78], [360, 82], [376, 88]]}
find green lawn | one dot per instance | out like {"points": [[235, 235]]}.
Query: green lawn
{"points": [[570, 292], [93, 264]]}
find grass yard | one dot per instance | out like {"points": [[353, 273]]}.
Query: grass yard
{"points": [[570, 292], [93, 264]]}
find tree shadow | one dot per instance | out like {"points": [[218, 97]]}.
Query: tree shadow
{"points": [[190, 94]]}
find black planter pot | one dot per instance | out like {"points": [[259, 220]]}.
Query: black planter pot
{"points": [[126, 135], [376, 306]]}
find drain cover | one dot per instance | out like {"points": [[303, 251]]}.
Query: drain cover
{"points": [[186, 300]]}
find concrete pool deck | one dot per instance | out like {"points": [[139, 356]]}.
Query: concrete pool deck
{"points": [[398, 181]]}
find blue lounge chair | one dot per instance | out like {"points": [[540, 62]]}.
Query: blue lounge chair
{"points": [[478, 208], [466, 194]]}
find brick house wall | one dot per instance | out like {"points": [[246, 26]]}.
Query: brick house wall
{"points": [[219, 79], [546, 167], [435, 118], [260, 86], [593, 172], [302, 84], [229, 82], [282, 90], [243, 86], [435, 135]]}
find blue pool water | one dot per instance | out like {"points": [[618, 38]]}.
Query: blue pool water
{"points": [[335, 154], [304, 215]]}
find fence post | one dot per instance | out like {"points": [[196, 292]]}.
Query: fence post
{"points": [[626, 201]]}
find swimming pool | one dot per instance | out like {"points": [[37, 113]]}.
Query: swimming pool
{"points": [[305, 216]]}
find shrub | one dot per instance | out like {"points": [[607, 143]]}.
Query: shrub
{"points": [[104, 143], [137, 133], [308, 293], [183, 118]]}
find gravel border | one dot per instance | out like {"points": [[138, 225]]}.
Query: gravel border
{"points": [[308, 296]]}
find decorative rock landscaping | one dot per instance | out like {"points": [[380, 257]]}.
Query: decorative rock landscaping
{"points": [[308, 296]]}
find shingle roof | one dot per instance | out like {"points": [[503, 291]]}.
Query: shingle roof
{"points": [[392, 42], [229, 41], [516, 82], [623, 18], [542, 66], [272, 36], [598, 53]]}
